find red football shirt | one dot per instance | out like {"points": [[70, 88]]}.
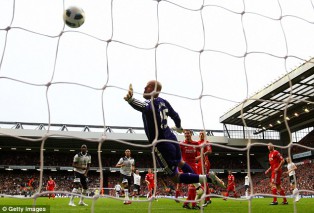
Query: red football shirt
{"points": [[150, 178], [274, 158], [51, 184], [189, 153], [206, 149], [231, 180]]}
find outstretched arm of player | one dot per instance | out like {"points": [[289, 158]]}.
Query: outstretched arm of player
{"points": [[129, 96], [136, 104]]}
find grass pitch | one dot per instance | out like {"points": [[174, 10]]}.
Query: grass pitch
{"points": [[163, 205]]}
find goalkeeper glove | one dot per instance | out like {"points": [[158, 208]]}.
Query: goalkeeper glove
{"points": [[178, 130], [130, 93]]}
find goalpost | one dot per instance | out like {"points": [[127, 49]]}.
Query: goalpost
{"points": [[208, 55]]}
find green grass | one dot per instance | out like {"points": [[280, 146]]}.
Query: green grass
{"points": [[261, 205]]}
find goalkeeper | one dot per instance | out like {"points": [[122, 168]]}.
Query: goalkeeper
{"points": [[167, 152]]}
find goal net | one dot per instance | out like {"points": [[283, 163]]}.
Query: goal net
{"points": [[209, 56]]}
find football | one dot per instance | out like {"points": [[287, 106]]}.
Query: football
{"points": [[74, 17]]}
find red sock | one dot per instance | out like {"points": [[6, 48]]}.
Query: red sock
{"points": [[274, 191], [192, 192], [177, 193], [207, 193], [282, 193]]}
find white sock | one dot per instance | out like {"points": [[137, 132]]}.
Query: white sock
{"points": [[202, 178], [197, 185], [74, 190], [246, 193], [126, 194], [83, 193]]}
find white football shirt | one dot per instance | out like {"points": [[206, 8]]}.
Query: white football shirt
{"points": [[137, 179], [82, 161]]}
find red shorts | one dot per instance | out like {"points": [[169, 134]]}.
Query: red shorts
{"points": [[276, 177], [151, 186], [231, 188], [50, 189], [206, 167]]}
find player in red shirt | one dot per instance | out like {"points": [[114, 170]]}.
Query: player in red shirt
{"points": [[231, 185], [51, 184], [207, 150], [149, 179], [189, 155], [276, 161]]}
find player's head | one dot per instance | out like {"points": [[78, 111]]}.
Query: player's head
{"points": [[137, 171], [270, 147], [202, 135], [150, 170], [153, 87], [127, 153], [288, 160], [188, 135], [50, 178], [230, 172], [83, 148]]}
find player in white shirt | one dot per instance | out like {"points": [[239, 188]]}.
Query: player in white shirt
{"points": [[117, 189], [126, 165], [137, 184], [246, 185], [81, 165], [291, 172]]}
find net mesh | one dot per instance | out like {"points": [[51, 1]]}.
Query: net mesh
{"points": [[180, 42]]}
